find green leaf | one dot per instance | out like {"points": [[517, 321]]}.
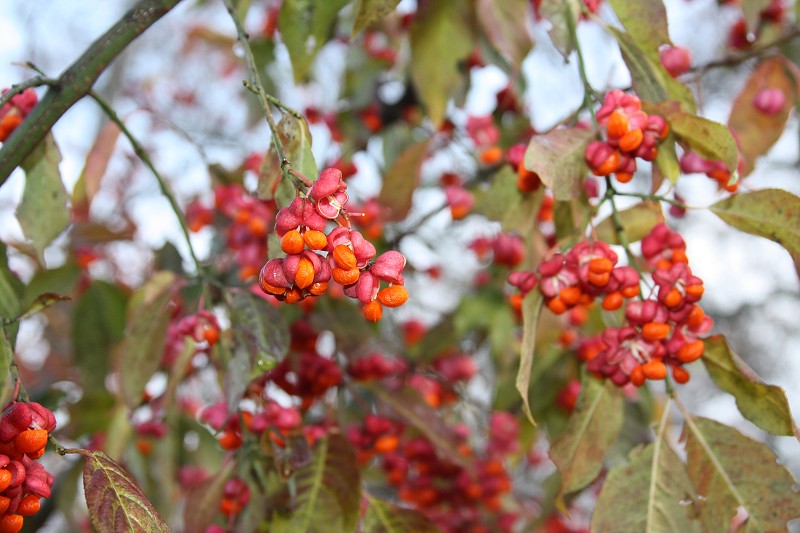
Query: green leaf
{"points": [[751, 9], [328, 491], [637, 222], [503, 202], [401, 180], [115, 500], [385, 517], [710, 139], [370, 11], [6, 357], [11, 288], [558, 158], [729, 470], [768, 213], [645, 21], [261, 340], [648, 494], [61, 280], [650, 79], [504, 23], [140, 353], [667, 164], [306, 25], [562, 15], [531, 307], [764, 405], [296, 140], [98, 323], [43, 212], [757, 131], [441, 37], [580, 451]]}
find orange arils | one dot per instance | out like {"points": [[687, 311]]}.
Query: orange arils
{"points": [[691, 351], [318, 288], [257, 227], [211, 335], [230, 440], [680, 374], [293, 295], [609, 166], [305, 273], [630, 292], [5, 501], [679, 256], [30, 440], [570, 295], [11, 523], [631, 141], [655, 331], [491, 155], [292, 242], [600, 265], [624, 177], [345, 277], [5, 479], [29, 505], [673, 298], [695, 291], [372, 311], [617, 125], [229, 507], [612, 301], [654, 369], [316, 240], [599, 280], [386, 444], [696, 316], [272, 289], [393, 296], [556, 305], [637, 376], [344, 257]]}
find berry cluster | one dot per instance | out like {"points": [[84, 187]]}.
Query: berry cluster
{"points": [[629, 133], [24, 430], [14, 112], [350, 258], [202, 327], [660, 331], [692, 162], [455, 497]]}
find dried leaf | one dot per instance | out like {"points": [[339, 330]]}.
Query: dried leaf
{"points": [[764, 405], [94, 169], [531, 307], [504, 23], [115, 500], [769, 213], [562, 15]]}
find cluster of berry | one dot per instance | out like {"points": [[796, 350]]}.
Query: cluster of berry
{"points": [[14, 112], [24, 431], [629, 133], [350, 258]]}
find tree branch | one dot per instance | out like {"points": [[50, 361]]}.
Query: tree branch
{"points": [[76, 82]]}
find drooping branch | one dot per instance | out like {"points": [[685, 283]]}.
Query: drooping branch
{"points": [[77, 81]]}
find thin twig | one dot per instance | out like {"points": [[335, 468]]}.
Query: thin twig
{"points": [[18, 88], [162, 184]]}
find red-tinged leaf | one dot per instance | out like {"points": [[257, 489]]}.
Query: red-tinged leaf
{"points": [[729, 471], [710, 139], [306, 26], [757, 131], [651, 494], [531, 307], [385, 517], [764, 405], [636, 221], [94, 169], [579, 453], [558, 157], [140, 353], [43, 212], [371, 11], [768, 213], [296, 140], [401, 180], [645, 22], [505, 24], [650, 79], [261, 340], [408, 405], [327, 491], [563, 16], [441, 37], [115, 500], [202, 500]]}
